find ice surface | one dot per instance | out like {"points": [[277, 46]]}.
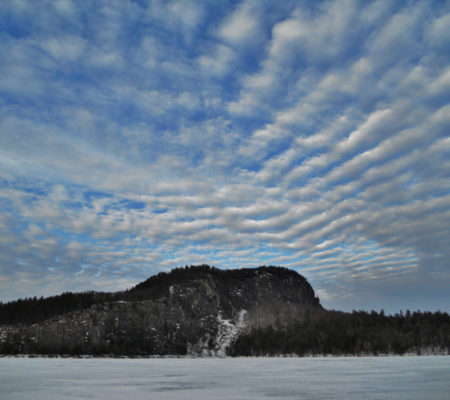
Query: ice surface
{"points": [[363, 378]]}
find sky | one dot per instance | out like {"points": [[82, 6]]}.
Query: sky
{"points": [[140, 136]]}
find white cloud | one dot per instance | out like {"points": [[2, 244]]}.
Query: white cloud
{"points": [[68, 48], [242, 28], [218, 62], [140, 138]]}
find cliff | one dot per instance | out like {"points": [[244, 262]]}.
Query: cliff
{"points": [[193, 310]]}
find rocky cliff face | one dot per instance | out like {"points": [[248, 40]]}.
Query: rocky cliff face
{"points": [[192, 310]]}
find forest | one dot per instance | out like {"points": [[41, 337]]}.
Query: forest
{"points": [[329, 332], [32, 310], [311, 330], [355, 333]]}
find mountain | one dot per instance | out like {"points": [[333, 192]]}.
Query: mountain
{"points": [[204, 311]]}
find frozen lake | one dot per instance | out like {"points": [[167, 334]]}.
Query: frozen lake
{"points": [[229, 378]]}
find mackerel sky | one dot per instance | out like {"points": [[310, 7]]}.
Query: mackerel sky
{"points": [[138, 136]]}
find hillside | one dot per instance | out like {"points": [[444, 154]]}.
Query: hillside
{"points": [[192, 310], [201, 310]]}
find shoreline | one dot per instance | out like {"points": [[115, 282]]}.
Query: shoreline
{"points": [[106, 356]]}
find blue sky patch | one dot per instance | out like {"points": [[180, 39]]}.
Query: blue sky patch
{"points": [[138, 136]]}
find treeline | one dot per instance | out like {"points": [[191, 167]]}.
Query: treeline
{"points": [[33, 310], [157, 284], [353, 333]]}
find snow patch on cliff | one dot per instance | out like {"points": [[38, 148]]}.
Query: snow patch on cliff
{"points": [[227, 331]]}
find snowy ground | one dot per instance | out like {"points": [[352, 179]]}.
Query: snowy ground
{"points": [[227, 378]]}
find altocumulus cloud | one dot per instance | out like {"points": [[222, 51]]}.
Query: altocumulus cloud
{"points": [[137, 136]]}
